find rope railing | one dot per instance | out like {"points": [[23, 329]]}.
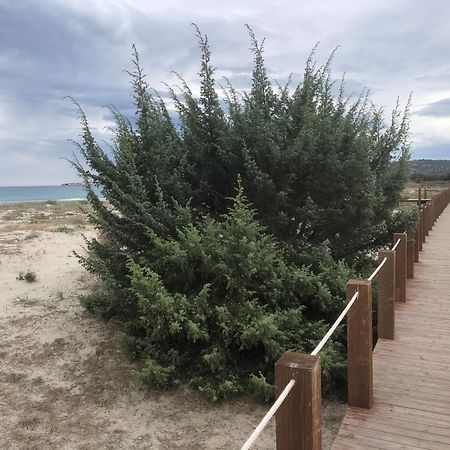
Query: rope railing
{"points": [[396, 244], [374, 273], [335, 325], [266, 419], [349, 305], [359, 329]]}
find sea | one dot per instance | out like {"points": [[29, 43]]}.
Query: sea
{"points": [[25, 194]]}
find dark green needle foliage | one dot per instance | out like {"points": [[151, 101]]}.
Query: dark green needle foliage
{"points": [[228, 238]]}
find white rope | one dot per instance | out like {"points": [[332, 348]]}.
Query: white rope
{"points": [[335, 325], [266, 419], [258, 430], [377, 270], [395, 246]]}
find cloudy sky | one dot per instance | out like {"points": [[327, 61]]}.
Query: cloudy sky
{"points": [[50, 49]]}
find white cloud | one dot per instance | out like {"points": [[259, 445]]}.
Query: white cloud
{"points": [[53, 48]]}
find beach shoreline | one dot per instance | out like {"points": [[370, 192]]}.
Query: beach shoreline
{"points": [[44, 194]]}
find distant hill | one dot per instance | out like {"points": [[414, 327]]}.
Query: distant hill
{"points": [[430, 166]]}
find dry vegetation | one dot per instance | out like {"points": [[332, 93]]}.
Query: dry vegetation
{"points": [[431, 189], [27, 221], [46, 216]]}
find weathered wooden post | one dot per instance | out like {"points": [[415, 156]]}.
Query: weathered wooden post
{"points": [[299, 418], [359, 345], [416, 243], [410, 256], [400, 267], [422, 226], [432, 213], [435, 209], [386, 295], [419, 201]]}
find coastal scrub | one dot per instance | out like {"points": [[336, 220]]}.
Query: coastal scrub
{"points": [[230, 230]]}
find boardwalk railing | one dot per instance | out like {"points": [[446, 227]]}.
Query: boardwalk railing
{"points": [[298, 408]]}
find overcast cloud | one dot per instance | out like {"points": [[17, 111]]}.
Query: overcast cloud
{"points": [[54, 48]]}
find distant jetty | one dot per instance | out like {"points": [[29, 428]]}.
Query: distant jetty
{"points": [[72, 184]]}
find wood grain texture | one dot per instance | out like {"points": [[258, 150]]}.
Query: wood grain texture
{"points": [[299, 417], [412, 373], [386, 295], [400, 267], [359, 345], [410, 256]]}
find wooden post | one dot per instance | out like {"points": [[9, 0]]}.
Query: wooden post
{"points": [[410, 256], [422, 225], [426, 215], [416, 243], [299, 417], [433, 212], [359, 345], [419, 202], [386, 295], [400, 267]]}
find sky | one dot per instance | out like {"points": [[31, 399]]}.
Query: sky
{"points": [[51, 49]]}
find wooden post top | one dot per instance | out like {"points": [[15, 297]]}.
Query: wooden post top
{"points": [[358, 282], [296, 360]]}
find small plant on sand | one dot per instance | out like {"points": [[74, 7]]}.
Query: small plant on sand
{"points": [[29, 276], [32, 235], [64, 229], [104, 303], [26, 302], [77, 220]]}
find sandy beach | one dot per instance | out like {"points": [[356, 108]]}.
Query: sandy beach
{"points": [[64, 381]]}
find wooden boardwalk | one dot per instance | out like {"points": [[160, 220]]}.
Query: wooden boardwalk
{"points": [[412, 373]]}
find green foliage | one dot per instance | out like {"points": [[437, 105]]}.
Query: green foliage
{"points": [[213, 285], [29, 276], [106, 304], [220, 303], [64, 229], [420, 177]]}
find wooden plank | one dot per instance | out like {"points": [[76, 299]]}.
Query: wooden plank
{"points": [[390, 412], [354, 441], [411, 373], [389, 440], [398, 428], [415, 395]]}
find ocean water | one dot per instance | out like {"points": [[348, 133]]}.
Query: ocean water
{"points": [[22, 194]]}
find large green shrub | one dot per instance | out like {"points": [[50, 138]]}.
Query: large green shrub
{"points": [[215, 278], [219, 303]]}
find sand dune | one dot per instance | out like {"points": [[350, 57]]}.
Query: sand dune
{"points": [[64, 381]]}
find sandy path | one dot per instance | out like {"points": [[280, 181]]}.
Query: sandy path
{"points": [[64, 382]]}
